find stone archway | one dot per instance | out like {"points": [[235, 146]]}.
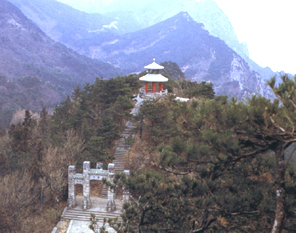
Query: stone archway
{"points": [[85, 178]]}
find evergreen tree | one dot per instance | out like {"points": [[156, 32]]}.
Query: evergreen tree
{"points": [[227, 160]]}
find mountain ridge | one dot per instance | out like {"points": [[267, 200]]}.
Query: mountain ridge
{"points": [[29, 56], [202, 57], [127, 16], [27, 49]]}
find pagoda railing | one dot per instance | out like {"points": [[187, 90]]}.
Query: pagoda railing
{"points": [[151, 94]]}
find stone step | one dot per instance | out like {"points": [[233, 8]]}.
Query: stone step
{"points": [[119, 153], [119, 164], [122, 159], [122, 145], [81, 215], [119, 159], [130, 128], [127, 134], [120, 149], [119, 156], [86, 217], [104, 191]]}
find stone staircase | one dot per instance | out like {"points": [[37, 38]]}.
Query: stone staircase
{"points": [[104, 191], [99, 204], [98, 209], [120, 150], [83, 215]]}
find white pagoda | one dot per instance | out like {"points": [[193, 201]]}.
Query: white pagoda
{"points": [[153, 76]]}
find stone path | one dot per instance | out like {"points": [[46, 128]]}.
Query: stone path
{"points": [[98, 208], [122, 147], [79, 218]]}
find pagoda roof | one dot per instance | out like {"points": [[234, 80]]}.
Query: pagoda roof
{"points": [[158, 78], [154, 66]]}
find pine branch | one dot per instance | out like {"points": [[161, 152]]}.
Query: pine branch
{"points": [[177, 173], [277, 125], [245, 212], [204, 225]]}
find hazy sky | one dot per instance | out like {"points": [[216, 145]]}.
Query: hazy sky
{"points": [[268, 27]]}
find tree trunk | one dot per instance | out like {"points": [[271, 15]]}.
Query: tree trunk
{"points": [[280, 189]]}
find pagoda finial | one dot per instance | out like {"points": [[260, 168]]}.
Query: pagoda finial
{"points": [[153, 59]]}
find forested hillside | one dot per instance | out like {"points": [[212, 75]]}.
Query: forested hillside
{"points": [[35, 153], [209, 165], [213, 165]]}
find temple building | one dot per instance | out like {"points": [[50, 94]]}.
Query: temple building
{"points": [[153, 81]]}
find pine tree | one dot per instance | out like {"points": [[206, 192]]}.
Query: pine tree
{"points": [[27, 125], [227, 159]]}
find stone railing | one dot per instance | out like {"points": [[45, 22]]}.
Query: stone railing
{"points": [[151, 94]]}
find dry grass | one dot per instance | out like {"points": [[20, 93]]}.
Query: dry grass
{"points": [[44, 220], [140, 156]]}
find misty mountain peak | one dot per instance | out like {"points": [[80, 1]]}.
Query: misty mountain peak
{"points": [[185, 15]]}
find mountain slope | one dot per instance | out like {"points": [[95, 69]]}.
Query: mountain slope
{"points": [[201, 56], [27, 51], [77, 29], [35, 71], [150, 12], [66, 24]]}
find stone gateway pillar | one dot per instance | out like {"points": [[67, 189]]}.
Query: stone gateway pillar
{"points": [[71, 187], [111, 195], [86, 185], [125, 192]]}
